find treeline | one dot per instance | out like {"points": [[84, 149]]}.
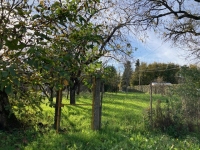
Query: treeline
{"points": [[145, 73]]}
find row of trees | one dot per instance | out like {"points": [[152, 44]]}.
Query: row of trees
{"points": [[44, 43], [52, 41], [145, 73]]}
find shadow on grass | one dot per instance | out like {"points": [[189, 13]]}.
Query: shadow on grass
{"points": [[122, 128], [108, 138], [17, 138]]}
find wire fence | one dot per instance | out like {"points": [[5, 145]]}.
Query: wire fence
{"points": [[158, 89]]}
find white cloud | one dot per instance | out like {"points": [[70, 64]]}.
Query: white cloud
{"points": [[155, 49]]}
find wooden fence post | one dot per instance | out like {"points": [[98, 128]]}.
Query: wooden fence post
{"points": [[151, 120], [101, 101], [58, 110], [96, 104]]}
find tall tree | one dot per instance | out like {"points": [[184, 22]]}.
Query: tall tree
{"points": [[111, 79], [50, 41], [138, 76], [15, 38], [83, 32], [126, 77], [135, 76], [153, 71], [137, 65], [72, 37]]}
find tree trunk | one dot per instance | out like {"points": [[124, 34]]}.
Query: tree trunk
{"points": [[78, 89], [72, 94], [96, 105], [51, 94], [58, 110], [7, 120]]}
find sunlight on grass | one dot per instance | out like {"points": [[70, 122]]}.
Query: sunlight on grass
{"points": [[122, 127]]}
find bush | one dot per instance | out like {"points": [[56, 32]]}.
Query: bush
{"points": [[181, 112], [163, 119]]}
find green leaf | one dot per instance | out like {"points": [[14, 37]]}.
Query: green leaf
{"points": [[36, 65], [21, 46], [3, 84], [12, 45], [4, 73], [35, 16], [20, 11], [16, 81], [30, 62], [82, 20], [12, 71], [8, 89]]}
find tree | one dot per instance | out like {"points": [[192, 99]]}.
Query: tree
{"points": [[151, 72], [46, 43], [72, 42], [111, 79], [15, 38], [178, 20], [135, 78], [126, 75], [137, 65], [83, 36], [139, 75]]}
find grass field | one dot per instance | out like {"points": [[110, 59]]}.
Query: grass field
{"points": [[122, 128]]}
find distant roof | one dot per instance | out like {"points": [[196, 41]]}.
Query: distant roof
{"points": [[160, 83]]}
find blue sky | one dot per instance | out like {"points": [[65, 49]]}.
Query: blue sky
{"points": [[154, 49]]}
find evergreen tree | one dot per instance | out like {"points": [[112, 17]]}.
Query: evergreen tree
{"points": [[126, 77], [137, 65], [111, 79]]}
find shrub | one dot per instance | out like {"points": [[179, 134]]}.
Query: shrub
{"points": [[164, 119]]}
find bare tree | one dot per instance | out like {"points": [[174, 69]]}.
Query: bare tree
{"points": [[177, 20]]}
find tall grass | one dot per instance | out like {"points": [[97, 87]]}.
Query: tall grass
{"points": [[122, 128]]}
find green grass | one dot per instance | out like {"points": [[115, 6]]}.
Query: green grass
{"points": [[122, 128]]}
